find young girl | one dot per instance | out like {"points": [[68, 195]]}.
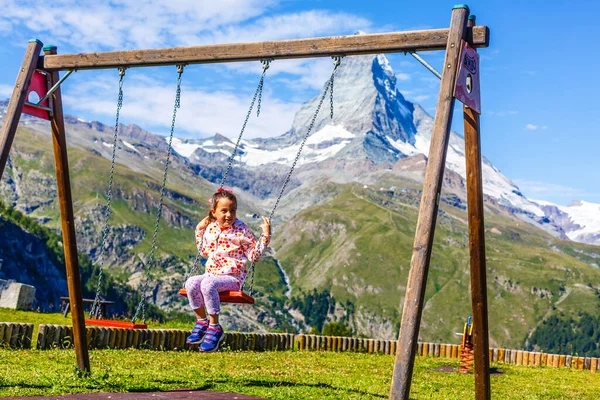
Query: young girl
{"points": [[228, 244]]}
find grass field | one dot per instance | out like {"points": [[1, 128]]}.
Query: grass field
{"points": [[273, 375]]}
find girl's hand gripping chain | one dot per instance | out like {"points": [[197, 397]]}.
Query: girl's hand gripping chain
{"points": [[266, 226], [204, 223]]}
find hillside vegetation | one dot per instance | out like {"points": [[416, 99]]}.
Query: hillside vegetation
{"points": [[353, 246], [359, 245]]}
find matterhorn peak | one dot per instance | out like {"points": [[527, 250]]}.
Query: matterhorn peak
{"points": [[368, 105]]}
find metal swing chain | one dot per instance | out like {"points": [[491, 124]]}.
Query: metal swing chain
{"points": [[142, 303], [336, 62], [265, 63], [257, 94], [107, 211], [328, 86]]}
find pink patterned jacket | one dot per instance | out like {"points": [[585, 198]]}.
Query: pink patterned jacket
{"points": [[229, 249]]}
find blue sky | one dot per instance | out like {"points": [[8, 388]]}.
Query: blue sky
{"points": [[539, 86]]}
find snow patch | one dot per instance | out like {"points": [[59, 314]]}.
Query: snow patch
{"points": [[286, 155], [184, 149], [584, 214], [329, 132], [132, 147], [217, 151], [495, 184]]}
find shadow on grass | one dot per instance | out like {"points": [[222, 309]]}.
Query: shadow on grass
{"points": [[206, 386], [453, 369], [158, 386], [313, 385], [25, 385]]}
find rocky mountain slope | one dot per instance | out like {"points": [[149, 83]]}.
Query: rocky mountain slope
{"points": [[345, 225]]}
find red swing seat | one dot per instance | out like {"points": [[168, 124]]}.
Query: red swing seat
{"points": [[229, 296], [115, 324]]}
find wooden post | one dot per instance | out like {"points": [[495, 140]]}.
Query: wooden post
{"points": [[477, 250], [63, 183], [562, 360], [519, 357], [17, 100], [419, 265]]}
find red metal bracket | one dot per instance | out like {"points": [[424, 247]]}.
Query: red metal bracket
{"points": [[39, 85]]}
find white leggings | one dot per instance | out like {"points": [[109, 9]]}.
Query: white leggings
{"points": [[203, 290]]}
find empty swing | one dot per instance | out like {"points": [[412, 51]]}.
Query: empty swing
{"points": [[240, 296], [142, 304]]}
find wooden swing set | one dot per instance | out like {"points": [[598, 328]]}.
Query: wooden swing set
{"points": [[459, 79]]}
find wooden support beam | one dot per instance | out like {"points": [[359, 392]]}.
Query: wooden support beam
{"points": [[434, 39], [17, 100], [477, 250], [419, 265], [63, 182]]}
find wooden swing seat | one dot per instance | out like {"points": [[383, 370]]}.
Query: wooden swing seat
{"points": [[229, 296], [115, 324]]}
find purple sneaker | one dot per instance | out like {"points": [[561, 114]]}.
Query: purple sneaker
{"points": [[197, 333], [212, 339]]}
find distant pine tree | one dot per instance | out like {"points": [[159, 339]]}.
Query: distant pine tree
{"points": [[562, 335]]}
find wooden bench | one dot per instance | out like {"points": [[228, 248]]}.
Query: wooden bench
{"points": [[100, 311]]}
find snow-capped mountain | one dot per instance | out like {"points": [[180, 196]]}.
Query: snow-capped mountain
{"points": [[372, 121], [373, 126], [580, 220]]}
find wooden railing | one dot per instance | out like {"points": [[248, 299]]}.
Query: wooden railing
{"points": [[18, 335]]}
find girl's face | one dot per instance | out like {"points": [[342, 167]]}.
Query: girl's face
{"points": [[224, 212]]}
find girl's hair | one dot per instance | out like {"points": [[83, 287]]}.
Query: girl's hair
{"points": [[221, 194]]}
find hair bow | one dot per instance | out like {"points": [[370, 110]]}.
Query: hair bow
{"points": [[221, 190]]}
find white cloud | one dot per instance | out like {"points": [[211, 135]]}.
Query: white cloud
{"points": [[313, 72], [132, 24], [93, 25], [401, 76], [202, 112], [538, 188], [86, 26], [5, 91], [421, 97], [502, 113], [287, 26], [533, 127]]}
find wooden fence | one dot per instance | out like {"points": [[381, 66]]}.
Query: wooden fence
{"points": [[17, 335], [60, 336]]}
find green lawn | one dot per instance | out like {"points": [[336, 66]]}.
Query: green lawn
{"points": [[273, 375]]}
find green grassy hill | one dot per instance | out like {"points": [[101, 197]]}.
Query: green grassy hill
{"points": [[358, 246]]}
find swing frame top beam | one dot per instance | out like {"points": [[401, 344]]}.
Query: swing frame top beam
{"points": [[393, 42]]}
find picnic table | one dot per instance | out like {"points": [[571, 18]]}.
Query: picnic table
{"points": [[99, 311]]}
